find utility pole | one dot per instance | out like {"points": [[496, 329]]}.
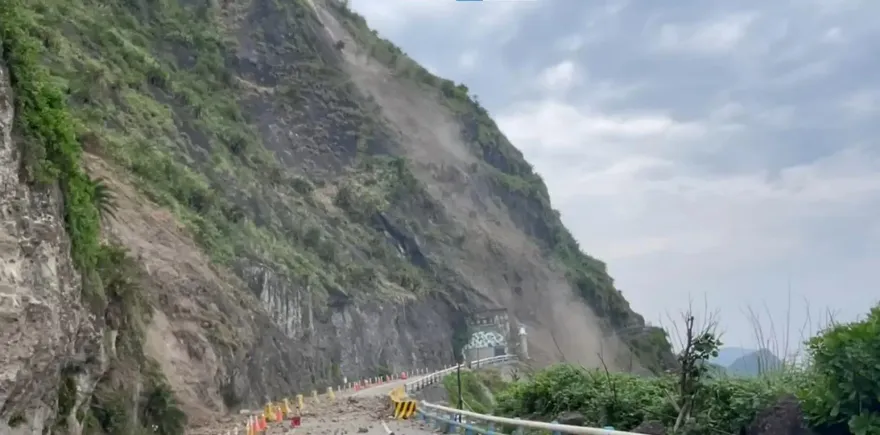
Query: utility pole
{"points": [[460, 399]]}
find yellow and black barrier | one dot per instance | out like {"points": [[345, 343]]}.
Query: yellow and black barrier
{"points": [[402, 406], [404, 409]]}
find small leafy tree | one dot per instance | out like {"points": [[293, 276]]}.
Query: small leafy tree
{"points": [[699, 345]]}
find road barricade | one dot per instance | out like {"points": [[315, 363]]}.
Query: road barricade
{"points": [[402, 406], [404, 409]]}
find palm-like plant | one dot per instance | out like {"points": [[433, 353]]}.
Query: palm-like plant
{"points": [[103, 198]]}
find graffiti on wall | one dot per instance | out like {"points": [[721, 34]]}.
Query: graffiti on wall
{"points": [[483, 339]]}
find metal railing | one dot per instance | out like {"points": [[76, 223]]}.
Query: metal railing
{"points": [[475, 423], [433, 378], [449, 417]]}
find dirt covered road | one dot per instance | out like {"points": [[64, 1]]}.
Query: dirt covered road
{"points": [[352, 416], [351, 413]]}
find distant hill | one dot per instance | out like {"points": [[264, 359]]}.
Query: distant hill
{"points": [[727, 355], [755, 363], [741, 361]]}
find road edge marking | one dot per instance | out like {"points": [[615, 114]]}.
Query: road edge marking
{"points": [[387, 429]]}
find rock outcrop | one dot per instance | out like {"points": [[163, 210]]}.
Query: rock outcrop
{"points": [[51, 345]]}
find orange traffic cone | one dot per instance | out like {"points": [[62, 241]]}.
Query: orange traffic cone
{"points": [[403, 375], [262, 424], [249, 426], [279, 416]]}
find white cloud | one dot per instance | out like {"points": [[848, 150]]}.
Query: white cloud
{"points": [[631, 193], [391, 15], [710, 37], [472, 20], [554, 125], [560, 77]]}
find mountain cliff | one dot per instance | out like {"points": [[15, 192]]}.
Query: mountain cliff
{"points": [[207, 204]]}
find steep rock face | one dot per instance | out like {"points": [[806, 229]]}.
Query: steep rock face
{"points": [[48, 340], [357, 337]]}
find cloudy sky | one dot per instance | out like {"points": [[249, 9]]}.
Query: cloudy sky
{"points": [[704, 149]]}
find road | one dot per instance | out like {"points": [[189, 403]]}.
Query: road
{"points": [[353, 413], [364, 412]]}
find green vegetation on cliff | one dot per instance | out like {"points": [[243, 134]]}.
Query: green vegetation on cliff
{"points": [[51, 153], [159, 89], [51, 157], [256, 139]]}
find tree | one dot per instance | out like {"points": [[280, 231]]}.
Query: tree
{"points": [[103, 198], [698, 345]]}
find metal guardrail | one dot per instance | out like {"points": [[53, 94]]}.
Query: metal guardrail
{"points": [[433, 378], [453, 418], [448, 416]]}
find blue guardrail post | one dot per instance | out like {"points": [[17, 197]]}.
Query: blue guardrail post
{"points": [[452, 427]]}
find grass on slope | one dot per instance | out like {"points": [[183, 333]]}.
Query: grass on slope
{"points": [[477, 389], [525, 192], [154, 85]]}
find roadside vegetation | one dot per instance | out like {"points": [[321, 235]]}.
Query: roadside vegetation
{"points": [[834, 384]]}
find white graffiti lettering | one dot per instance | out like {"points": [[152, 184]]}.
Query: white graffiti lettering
{"points": [[483, 339]]}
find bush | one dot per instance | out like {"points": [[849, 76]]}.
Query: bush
{"points": [[837, 389], [476, 396], [842, 390]]}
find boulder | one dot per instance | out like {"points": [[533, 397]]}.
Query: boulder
{"points": [[784, 417], [571, 418], [650, 427]]}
